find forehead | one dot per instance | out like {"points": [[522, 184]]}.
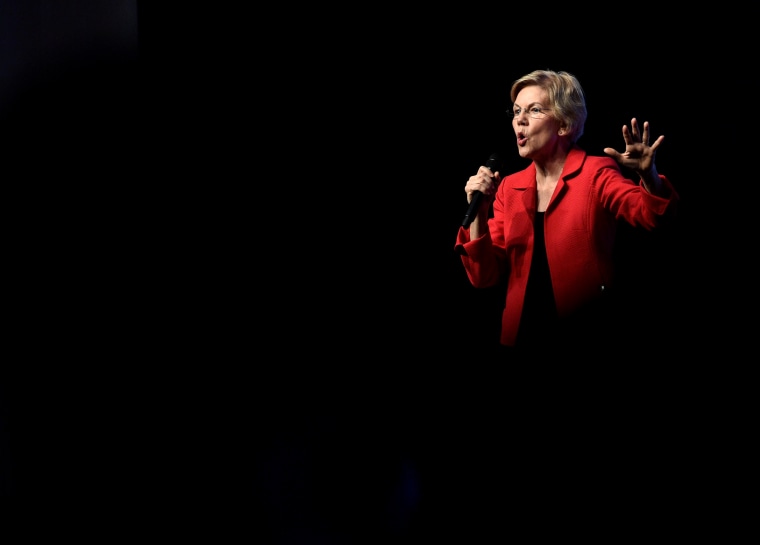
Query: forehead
{"points": [[530, 95]]}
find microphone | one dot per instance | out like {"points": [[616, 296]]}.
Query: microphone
{"points": [[493, 163]]}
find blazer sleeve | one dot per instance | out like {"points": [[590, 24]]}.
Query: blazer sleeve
{"points": [[479, 258]]}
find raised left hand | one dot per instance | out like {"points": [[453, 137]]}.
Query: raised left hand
{"points": [[639, 154]]}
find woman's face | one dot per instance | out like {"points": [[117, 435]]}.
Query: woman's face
{"points": [[535, 126]]}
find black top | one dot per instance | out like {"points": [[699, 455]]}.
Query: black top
{"points": [[539, 315]]}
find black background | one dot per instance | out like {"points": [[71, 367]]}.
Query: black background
{"points": [[234, 307]]}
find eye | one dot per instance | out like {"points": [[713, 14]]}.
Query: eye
{"points": [[535, 110], [516, 111]]}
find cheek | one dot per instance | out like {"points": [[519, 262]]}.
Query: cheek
{"points": [[549, 131]]}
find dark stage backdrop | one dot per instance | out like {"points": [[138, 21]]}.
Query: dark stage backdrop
{"points": [[233, 303]]}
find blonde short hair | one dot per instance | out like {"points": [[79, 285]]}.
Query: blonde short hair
{"points": [[566, 97]]}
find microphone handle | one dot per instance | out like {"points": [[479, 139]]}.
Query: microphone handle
{"points": [[473, 209]]}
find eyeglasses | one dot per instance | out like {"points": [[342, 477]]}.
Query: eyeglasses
{"points": [[534, 112]]}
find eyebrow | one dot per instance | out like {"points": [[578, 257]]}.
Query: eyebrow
{"points": [[529, 105]]}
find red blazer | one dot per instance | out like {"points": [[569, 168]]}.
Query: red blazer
{"points": [[579, 225]]}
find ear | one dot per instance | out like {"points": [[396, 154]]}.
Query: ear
{"points": [[561, 131]]}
